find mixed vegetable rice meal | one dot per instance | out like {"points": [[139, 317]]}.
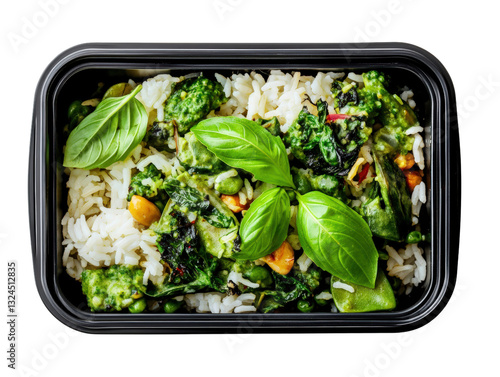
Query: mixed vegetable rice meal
{"points": [[257, 192]]}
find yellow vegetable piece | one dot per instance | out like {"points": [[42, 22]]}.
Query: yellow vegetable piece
{"points": [[405, 162], [281, 260], [233, 202], [143, 211]]}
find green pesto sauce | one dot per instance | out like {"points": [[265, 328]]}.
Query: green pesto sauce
{"points": [[191, 100], [112, 288], [196, 158]]}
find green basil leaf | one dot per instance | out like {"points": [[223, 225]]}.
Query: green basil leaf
{"points": [[243, 144], [107, 135], [265, 225], [337, 239]]}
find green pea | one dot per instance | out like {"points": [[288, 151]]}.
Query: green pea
{"points": [[383, 255], [138, 306], [171, 306], [74, 108], [77, 112], [414, 237], [305, 306], [291, 195], [229, 186], [118, 90], [395, 283], [261, 276], [320, 301]]}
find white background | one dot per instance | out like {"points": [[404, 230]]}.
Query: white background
{"points": [[465, 39]]}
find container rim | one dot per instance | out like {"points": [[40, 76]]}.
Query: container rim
{"points": [[446, 191]]}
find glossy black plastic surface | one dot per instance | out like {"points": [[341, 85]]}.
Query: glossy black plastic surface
{"points": [[80, 68]]}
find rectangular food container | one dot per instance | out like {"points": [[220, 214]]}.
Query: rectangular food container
{"points": [[78, 69]]}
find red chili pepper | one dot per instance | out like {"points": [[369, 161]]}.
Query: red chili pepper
{"points": [[180, 271], [363, 173], [334, 117]]}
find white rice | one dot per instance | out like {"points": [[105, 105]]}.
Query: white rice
{"points": [[418, 197], [344, 286], [304, 262], [407, 264], [418, 153], [225, 175], [413, 130], [216, 302], [155, 91], [237, 278], [355, 77], [98, 229], [249, 189], [282, 95], [324, 296]]}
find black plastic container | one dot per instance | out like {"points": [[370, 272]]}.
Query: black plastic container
{"points": [[77, 71]]}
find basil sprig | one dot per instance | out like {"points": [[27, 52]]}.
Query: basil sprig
{"points": [[265, 225], [243, 144], [333, 235], [337, 239], [107, 135]]}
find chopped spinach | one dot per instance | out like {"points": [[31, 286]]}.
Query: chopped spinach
{"points": [[327, 148], [196, 201], [289, 288], [148, 184], [306, 180], [160, 135], [351, 100], [191, 267]]}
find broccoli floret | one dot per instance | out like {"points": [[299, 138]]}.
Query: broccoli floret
{"points": [[191, 100], [113, 288], [149, 185], [395, 115]]}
